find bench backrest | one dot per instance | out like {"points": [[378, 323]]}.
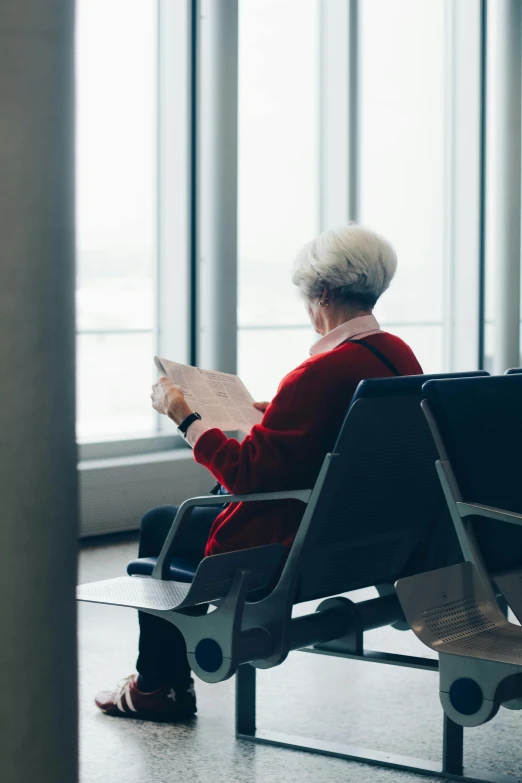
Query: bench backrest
{"points": [[480, 423], [381, 499]]}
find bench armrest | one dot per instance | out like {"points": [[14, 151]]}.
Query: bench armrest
{"points": [[478, 510], [161, 569]]}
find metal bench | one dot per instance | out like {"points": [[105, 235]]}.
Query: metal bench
{"points": [[375, 514], [477, 426]]}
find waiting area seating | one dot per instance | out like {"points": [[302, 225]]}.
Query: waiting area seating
{"points": [[378, 514], [477, 427]]}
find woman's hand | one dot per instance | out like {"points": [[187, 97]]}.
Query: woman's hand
{"points": [[168, 398], [261, 406]]}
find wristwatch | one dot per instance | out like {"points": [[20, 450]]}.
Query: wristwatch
{"points": [[185, 424]]}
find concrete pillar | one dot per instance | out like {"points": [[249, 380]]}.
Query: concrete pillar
{"points": [[38, 509]]}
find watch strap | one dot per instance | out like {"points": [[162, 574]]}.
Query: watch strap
{"points": [[185, 424]]}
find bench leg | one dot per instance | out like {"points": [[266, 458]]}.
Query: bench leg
{"points": [[452, 747], [246, 700], [451, 768]]}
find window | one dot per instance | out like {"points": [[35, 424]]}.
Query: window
{"points": [[366, 110], [133, 206], [116, 214], [278, 142], [402, 163], [402, 174]]}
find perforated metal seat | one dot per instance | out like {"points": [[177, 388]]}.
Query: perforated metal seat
{"points": [[181, 569], [454, 613], [212, 581], [138, 593]]}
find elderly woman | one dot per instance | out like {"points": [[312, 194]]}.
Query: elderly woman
{"points": [[340, 276]]}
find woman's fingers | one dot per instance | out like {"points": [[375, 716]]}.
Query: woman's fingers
{"points": [[165, 394], [261, 406]]}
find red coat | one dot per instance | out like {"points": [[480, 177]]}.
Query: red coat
{"points": [[286, 450]]}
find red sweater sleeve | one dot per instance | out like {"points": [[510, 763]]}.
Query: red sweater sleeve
{"points": [[290, 436]]}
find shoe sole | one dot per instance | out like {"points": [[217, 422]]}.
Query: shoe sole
{"points": [[155, 717]]}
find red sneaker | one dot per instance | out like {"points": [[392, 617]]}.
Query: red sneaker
{"points": [[165, 704]]}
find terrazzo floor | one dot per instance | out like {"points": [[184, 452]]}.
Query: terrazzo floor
{"points": [[380, 707]]}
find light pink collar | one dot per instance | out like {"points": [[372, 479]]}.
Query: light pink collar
{"points": [[356, 327]]}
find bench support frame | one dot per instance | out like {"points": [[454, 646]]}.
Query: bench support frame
{"points": [[451, 767]]}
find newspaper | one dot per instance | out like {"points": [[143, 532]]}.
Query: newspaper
{"points": [[221, 399]]}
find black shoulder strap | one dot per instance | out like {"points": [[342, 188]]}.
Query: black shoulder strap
{"points": [[378, 354]]}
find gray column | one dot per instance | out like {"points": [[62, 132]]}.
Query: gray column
{"points": [[217, 184], [504, 174], [38, 708]]}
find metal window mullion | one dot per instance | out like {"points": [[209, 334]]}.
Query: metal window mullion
{"points": [[105, 332], [217, 165], [157, 279], [464, 184], [504, 175], [193, 182], [482, 241], [338, 116], [354, 117]]}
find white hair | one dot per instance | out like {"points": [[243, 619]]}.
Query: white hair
{"points": [[355, 261]]}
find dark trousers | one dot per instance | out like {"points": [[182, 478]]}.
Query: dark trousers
{"points": [[162, 651]]}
